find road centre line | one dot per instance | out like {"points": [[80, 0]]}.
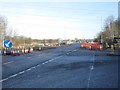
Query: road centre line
{"points": [[91, 69], [75, 50], [22, 72], [8, 62]]}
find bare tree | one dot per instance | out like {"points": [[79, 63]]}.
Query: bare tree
{"points": [[3, 26], [109, 20], [111, 30]]}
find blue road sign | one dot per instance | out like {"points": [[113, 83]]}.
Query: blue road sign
{"points": [[7, 43]]}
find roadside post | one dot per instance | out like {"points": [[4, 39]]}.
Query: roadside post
{"points": [[113, 49]]}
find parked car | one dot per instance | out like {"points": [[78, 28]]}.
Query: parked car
{"points": [[86, 45], [96, 46], [92, 46]]}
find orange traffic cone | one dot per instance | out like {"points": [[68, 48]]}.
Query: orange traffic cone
{"points": [[4, 53]]}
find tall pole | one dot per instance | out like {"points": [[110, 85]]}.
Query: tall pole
{"points": [[64, 33], [102, 35], [102, 32]]}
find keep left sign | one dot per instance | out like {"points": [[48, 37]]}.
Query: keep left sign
{"points": [[7, 43]]}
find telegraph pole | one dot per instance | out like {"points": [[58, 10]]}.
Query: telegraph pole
{"points": [[64, 33], [103, 41], [102, 32]]}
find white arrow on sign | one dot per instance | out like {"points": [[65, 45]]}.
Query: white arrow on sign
{"points": [[7, 44]]}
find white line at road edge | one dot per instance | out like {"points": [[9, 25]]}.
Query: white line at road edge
{"points": [[8, 62], [22, 72], [92, 67]]}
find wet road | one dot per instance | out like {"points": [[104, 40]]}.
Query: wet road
{"points": [[64, 67]]}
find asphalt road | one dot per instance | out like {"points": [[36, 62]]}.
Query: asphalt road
{"points": [[64, 67]]}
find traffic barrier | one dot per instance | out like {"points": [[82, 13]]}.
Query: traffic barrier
{"points": [[22, 51], [13, 53], [4, 53]]}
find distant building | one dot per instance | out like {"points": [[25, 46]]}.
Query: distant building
{"points": [[66, 42]]}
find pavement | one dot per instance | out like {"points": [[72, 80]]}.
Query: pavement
{"points": [[63, 67]]}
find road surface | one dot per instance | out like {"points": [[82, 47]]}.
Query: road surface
{"points": [[64, 67]]}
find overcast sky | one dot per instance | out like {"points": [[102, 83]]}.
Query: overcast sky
{"points": [[58, 19]]}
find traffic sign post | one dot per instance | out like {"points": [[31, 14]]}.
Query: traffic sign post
{"points": [[7, 43]]}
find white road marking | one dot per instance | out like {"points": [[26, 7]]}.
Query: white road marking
{"points": [[33, 67], [4, 79], [71, 51], [8, 62], [22, 72], [46, 62], [92, 67], [38, 65], [28, 69], [43, 63], [67, 53], [51, 60], [13, 75], [28, 57], [75, 50]]}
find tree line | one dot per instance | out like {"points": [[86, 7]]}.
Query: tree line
{"points": [[7, 33], [109, 32]]}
